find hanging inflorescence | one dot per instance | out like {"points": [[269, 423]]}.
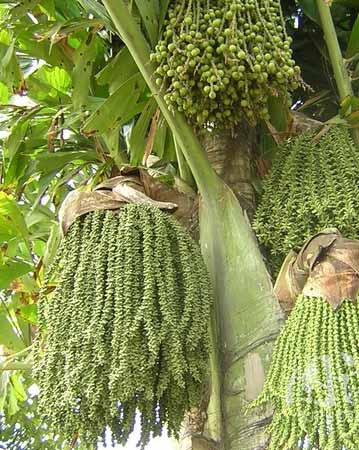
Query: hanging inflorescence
{"points": [[313, 381], [313, 184], [218, 60], [126, 329]]}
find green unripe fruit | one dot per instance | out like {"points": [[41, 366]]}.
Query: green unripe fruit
{"points": [[290, 72], [229, 15], [272, 67]]}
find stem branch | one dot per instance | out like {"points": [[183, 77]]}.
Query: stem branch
{"points": [[341, 75], [330, 35]]}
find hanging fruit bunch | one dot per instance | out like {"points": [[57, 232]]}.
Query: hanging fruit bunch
{"points": [[313, 381], [218, 60], [313, 184], [125, 332]]}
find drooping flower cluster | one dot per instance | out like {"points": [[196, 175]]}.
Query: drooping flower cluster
{"points": [[313, 382], [313, 184], [126, 329]]}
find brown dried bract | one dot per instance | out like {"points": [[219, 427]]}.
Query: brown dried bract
{"points": [[112, 194], [327, 266]]}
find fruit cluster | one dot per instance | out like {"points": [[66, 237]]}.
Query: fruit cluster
{"points": [[313, 184], [313, 381], [218, 60], [126, 330]]}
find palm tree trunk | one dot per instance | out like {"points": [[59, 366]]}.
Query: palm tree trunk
{"points": [[248, 317], [231, 154]]}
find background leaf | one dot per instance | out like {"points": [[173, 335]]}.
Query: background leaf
{"points": [[310, 9], [10, 214], [8, 336], [353, 45], [138, 136], [81, 75], [118, 109], [11, 270], [149, 12]]}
